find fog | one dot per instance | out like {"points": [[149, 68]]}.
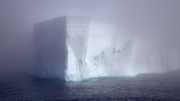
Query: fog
{"points": [[154, 24]]}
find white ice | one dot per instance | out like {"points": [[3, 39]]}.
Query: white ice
{"points": [[76, 50]]}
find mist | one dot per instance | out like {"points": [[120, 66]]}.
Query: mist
{"points": [[153, 24]]}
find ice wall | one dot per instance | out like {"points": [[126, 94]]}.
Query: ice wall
{"points": [[60, 47], [118, 53], [77, 36], [50, 48], [73, 49]]}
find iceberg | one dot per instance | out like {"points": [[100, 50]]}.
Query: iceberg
{"points": [[62, 46], [72, 48]]}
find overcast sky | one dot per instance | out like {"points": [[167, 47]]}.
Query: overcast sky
{"points": [[156, 20]]}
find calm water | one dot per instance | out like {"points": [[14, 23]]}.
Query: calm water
{"points": [[142, 87]]}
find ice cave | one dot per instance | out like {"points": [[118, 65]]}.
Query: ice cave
{"points": [[72, 48]]}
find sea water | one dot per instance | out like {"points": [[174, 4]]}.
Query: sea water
{"points": [[150, 87]]}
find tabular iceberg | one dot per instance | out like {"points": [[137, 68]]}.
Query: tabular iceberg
{"points": [[72, 48], [61, 48]]}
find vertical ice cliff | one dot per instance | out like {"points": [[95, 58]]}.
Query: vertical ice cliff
{"points": [[60, 47], [105, 64], [77, 35], [63, 46], [72, 49], [50, 48]]}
